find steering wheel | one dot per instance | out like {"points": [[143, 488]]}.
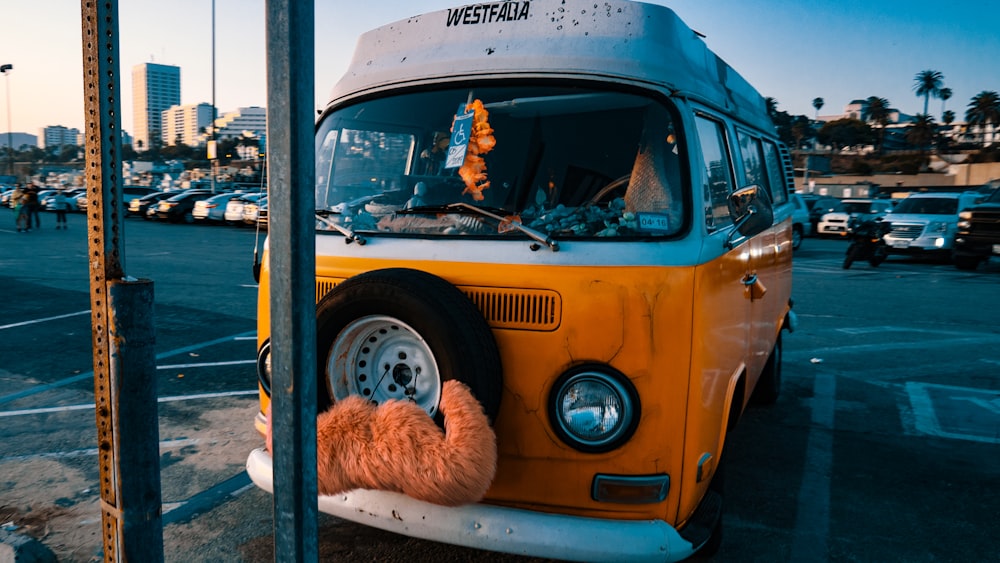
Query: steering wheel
{"points": [[603, 192]]}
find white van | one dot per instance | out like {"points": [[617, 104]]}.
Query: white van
{"points": [[580, 211]]}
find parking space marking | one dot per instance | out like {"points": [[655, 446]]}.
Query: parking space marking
{"points": [[812, 519], [90, 375], [886, 346], [172, 399], [46, 319], [207, 364], [958, 413], [165, 444]]}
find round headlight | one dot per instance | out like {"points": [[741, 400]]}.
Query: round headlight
{"points": [[264, 366], [594, 409]]}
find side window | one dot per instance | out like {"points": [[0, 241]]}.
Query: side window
{"points": [[718, 180], [753, 162], [779, 186]]}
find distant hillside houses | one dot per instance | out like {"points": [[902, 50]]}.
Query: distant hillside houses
{"points": [[958, 132]]}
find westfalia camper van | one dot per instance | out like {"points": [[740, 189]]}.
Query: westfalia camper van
{"points": [[582, 213]]}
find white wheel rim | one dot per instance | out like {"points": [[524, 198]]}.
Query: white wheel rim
{"points": [[382, 358]]}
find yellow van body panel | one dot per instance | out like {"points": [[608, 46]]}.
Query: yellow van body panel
{"points": [[639, 320]]}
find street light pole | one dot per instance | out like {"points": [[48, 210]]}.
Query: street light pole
{"points": [[5, 70]]}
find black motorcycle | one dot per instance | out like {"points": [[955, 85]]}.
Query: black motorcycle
{"points": [[866, 242]]}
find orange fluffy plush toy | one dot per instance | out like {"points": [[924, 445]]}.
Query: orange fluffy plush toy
{"points": [[397, 447]]}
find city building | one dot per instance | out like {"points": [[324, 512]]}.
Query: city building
{"points": [[186, 124], [155, 88], [858, 109], [244, 122], [57, 136]]}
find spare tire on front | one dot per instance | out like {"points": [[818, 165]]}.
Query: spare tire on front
{"points": [[400, 333]]}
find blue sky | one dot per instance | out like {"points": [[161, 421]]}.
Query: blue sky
{"points": [[790, 50]]}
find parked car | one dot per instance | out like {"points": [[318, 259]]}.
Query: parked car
{"points": [[139, 206], [178, 208], [212, 209], [129, 193], [818, 206], [838, 222], [255, 213], [801, 227], [71, 195], [926, 223], [234, 209], [978, 235]]}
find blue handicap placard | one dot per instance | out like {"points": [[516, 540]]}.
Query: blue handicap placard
{"points": [[461, 130]]}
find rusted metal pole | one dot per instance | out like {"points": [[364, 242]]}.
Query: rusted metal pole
{"points": [[292, 255], [121, 317]]}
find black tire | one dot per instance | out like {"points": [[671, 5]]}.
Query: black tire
{"points": [[797, 236], [849, 257], [404, 323], [769, 385], [877, 259], [966, 262]]}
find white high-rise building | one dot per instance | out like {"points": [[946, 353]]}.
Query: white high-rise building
{"points": [[186, 124], [57, 136], [250, 120], [155, 88]]}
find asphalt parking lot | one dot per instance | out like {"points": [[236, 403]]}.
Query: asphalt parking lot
{"points": [[881, 448]]}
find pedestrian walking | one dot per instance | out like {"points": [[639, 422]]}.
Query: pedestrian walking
{"points": [[20, 213], [33, 207], [60, 205]]}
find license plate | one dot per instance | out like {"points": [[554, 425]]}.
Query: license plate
{"points": [[900, 244], [996, 249]]}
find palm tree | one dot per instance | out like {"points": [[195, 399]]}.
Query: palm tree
{"points": [[984, 111], [922, 132], [818, 104], [945, 95], [948, 117], [928, 83], [772, 106], [876, 111]]}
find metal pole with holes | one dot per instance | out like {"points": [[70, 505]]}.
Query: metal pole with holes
{"points": [[292, 254], [121, 317]]}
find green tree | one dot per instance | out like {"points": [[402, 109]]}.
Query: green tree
{"points": [[922, 132], [846, 132], [948, 117], [801, 130], [928, 83], [945, 95], [818, 104], [876, 111], [983, 111]]}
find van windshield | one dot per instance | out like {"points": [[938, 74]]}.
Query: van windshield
{"points": [[565, 162]]}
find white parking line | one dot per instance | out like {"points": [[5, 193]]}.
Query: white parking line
{"points": [[175, 398], [165, 444], [89, 375], [36, 321], [208, 364]]}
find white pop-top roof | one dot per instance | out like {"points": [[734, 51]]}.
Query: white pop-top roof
{"points": [[617, 40]]}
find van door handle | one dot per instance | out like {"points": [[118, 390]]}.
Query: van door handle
{"points": [[754, 288]]}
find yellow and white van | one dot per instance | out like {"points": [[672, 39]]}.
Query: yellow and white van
{"points": [[583, 213]]}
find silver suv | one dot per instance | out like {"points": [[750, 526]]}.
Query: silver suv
{"points": [[925, 223]]}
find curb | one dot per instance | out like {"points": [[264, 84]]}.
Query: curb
{"points": [[17, 548]]}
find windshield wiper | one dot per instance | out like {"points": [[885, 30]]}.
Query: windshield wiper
{"points": [[532, 233], [349, 235]]}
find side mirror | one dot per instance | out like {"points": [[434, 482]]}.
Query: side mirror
{"points": [[752, 213]]}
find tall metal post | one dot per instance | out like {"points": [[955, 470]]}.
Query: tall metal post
{"points": [[5, 70], [215, 160], [292, 255], [121, 317]]}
